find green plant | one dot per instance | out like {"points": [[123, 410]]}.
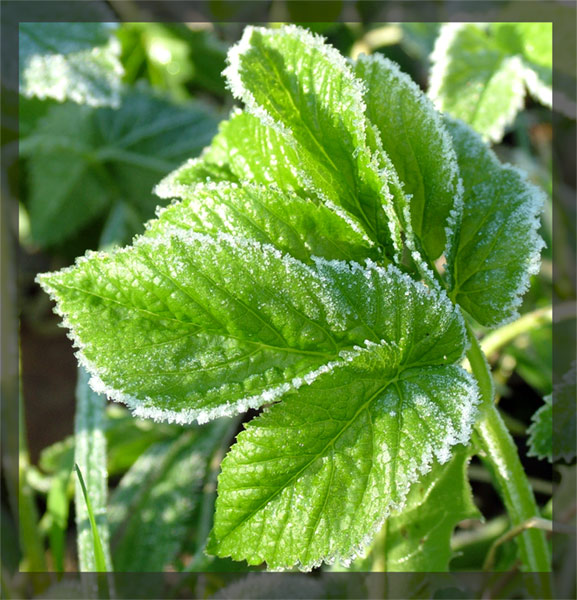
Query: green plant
{"points": [[481, 70], [325, 261]]}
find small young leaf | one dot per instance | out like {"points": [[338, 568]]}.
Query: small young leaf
{"points": [[541, 431], [474, 80], [304, 89], [313, 477], [418, 538], [70, 61], [558, 412], [267, 215], [496, 247], [415, 139]]}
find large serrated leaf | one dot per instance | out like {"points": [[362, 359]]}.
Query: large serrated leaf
{"points": [[313, 477], [414, 137], [496, 247], [268, 215], [418, 538], [304, 89], [189, 326], [82, 160], [70, 61], [474, 80]]}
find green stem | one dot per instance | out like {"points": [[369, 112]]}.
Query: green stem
{"points": [[501, 452], [541, 316], [506, 334], [90, 456]]}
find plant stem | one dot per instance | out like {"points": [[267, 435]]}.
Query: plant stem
{"points": [[90, 456], [501, 452], [506, 334], [541, 316]]}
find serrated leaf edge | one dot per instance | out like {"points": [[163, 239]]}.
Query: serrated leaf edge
{"points": [[536, 200], [442, 454]]}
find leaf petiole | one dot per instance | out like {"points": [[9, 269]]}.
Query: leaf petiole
{"points": [[501, 452]]}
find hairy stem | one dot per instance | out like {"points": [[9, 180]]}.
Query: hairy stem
{"points": [[501, 453]]}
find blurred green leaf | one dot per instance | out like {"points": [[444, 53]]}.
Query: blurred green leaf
{"points": [[70, 61], [480, 72], [173, 57], [298, 587], [83, 161], [419, 38], [565, 429], [57, 507], [150, 511], [533, 353], [418, 538], [99, 558], [91, 485]]}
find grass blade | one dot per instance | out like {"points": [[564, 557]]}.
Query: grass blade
{"points": [[99, 557]]}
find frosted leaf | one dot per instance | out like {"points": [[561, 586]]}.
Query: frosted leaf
{"points": [[268, 215], [187, 326], [415, 139], [313, 478], [70, 61], [295, 83], [496, 247]]}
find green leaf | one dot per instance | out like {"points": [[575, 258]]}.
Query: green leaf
{"points": [[305, 89], [150, 511], [100, 562], [495, 247], [314, 476], [268, 215], [70, 61], [83, 161], [243, 150], [474, 80], [191, 326], [418, 538], [533, 42], [558, 412], [415, 139], [541, 431], [57, 507]]}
